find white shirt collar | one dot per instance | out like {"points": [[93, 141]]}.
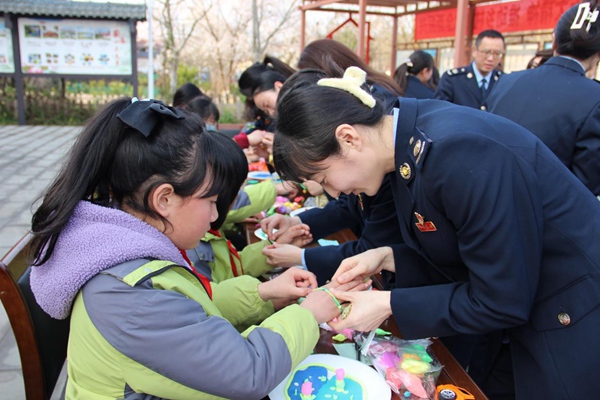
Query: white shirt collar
{"points": [[479, 77], [396, 113]]}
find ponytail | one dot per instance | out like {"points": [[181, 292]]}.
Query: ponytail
{"points": [[249, 78], [400, 75], [417, 62], [278, 66], [83, 176]]}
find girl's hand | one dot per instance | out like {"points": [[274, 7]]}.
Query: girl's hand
{"points": [[323, 306], [267, 142], [260, 151], [298, 235], [283, 255], [279, 222], [288, 287], [286, 188], [368, 309], [256, 137], [364, 265]]}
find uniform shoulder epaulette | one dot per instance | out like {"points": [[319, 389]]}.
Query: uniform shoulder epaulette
{"points": [[456, 71], [419, 145]]}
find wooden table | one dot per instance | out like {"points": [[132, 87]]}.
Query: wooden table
{"points": [[452, 373]]}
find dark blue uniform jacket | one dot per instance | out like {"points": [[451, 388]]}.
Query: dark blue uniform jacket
{"points": [[485, 204], [459, 86], [376, 217], [560, 106], [416, 90]]}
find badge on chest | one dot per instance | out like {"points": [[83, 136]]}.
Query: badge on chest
{"points": [[424, 226]]}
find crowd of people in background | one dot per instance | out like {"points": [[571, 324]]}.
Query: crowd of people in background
{"points": [[474, 194]]}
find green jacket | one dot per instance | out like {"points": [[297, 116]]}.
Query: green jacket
{"points": [[223, 263], [250, 201], [152, 328]]}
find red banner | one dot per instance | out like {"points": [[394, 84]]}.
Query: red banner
{"points": [[517, 16]]}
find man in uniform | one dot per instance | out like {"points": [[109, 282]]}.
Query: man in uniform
{"points": [[470, 85]]}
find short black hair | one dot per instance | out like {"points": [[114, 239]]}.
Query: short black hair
{"points": [[491, 33]]}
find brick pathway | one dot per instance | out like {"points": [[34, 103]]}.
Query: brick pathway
{"points": [[30, 156]]}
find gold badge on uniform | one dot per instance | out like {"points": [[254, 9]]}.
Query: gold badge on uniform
{"points": [[404, 170], [469, 75], [417, 148], [424, 226]]}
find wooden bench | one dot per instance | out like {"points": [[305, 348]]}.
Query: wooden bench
{"points": [[41, 340]]}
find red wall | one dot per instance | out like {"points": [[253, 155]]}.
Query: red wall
{"points": [[522, 15]]}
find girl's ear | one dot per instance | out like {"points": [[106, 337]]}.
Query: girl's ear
{"points": [[162, 199], [348, 137], [277, 86]]}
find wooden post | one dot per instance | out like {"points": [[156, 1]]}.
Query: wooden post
{"points": [[361, 28], [134, 71], [459, 40], [18, 77]]}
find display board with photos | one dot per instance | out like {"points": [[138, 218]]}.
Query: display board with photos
{"points": [[74, 46], [7, 64]]}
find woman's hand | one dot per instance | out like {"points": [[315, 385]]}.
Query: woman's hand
{"points": [[288, 287], [297, 235], [279, 222], [323, 306], [283, 255], [314, 188], [364, 265], [368, 309]]}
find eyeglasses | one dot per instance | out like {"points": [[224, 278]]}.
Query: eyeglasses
{"points": [[495, 54]]}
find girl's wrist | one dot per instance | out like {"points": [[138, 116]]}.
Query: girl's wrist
{"points": [[263, 291]]}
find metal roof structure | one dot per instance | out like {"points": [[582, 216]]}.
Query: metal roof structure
{"points": [[378, 7], [395, 9], [74, 9]]}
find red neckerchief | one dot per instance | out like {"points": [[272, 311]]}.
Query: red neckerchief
{"points": [[233, 253], [204, 280]]}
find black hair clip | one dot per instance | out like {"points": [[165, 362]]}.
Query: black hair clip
{"points": [[143, 115]]}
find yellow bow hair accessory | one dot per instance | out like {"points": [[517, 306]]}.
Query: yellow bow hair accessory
{"points": [[353, 78]]}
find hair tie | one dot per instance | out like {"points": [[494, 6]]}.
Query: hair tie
{"points": [[353, 78], [408, 62], [584, 13], [144, 115]]}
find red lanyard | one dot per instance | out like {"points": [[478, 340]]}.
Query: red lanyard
{"points": [[204, 280], [233, 253]]}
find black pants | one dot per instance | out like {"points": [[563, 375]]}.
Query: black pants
{"points": [[491, 367]]}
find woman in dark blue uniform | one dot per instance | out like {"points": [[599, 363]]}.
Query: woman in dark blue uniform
{"points": [[556, 101], [414, 74], [499, 237]]}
